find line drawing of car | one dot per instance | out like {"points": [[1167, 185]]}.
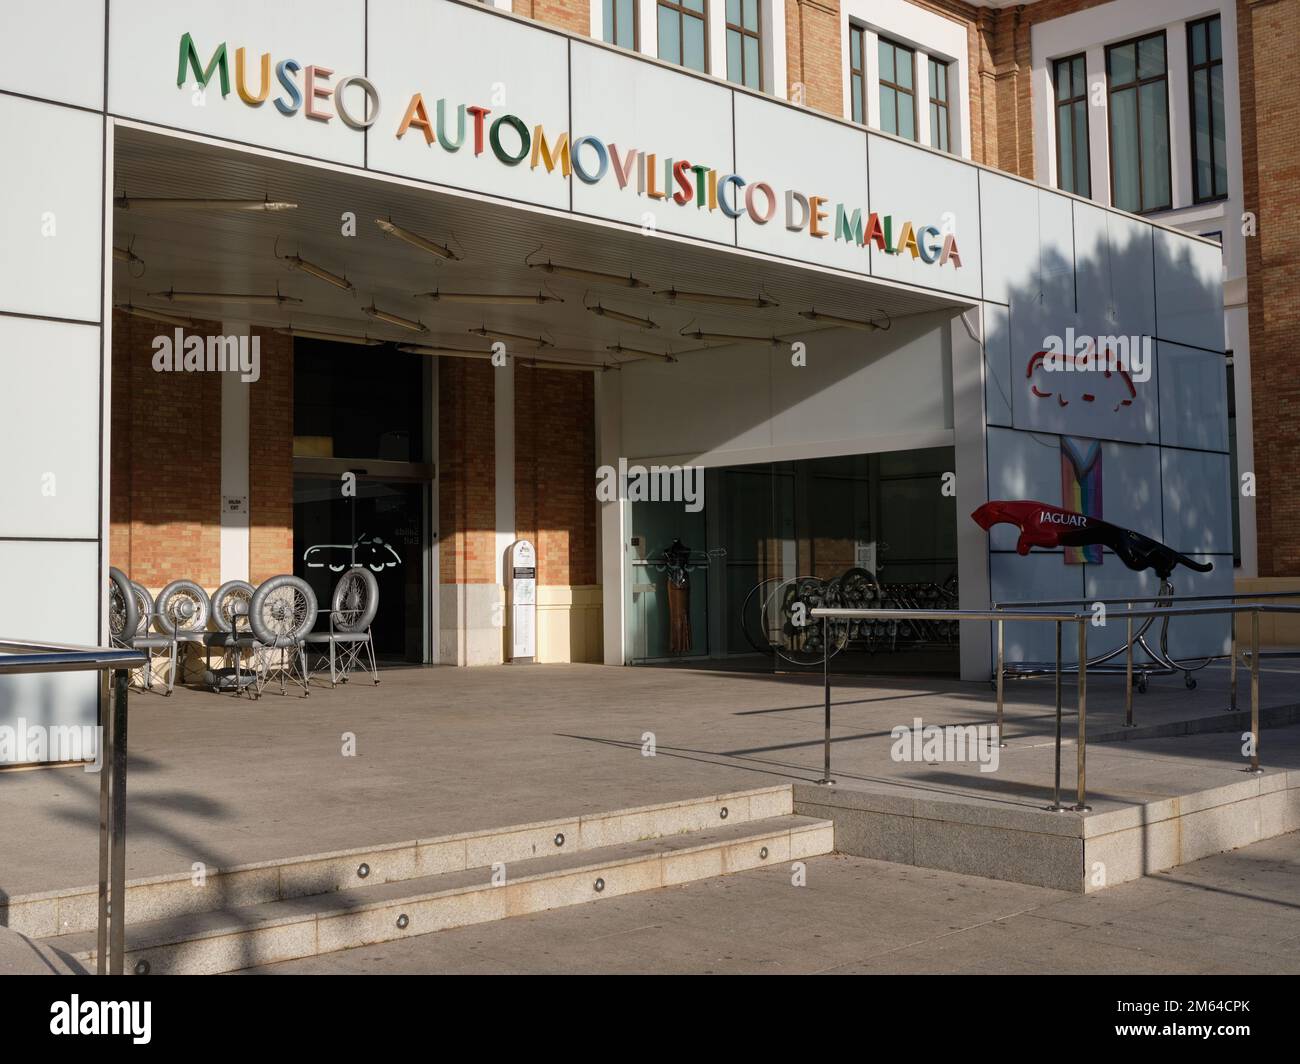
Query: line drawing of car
{"points": [[370, 552]]}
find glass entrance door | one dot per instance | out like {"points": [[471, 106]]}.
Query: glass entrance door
{"points": [[381, 526]]}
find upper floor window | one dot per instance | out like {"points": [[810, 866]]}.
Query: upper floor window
{"points": [[1136, 74], [897, 89], [620, 23], [1070, 79], [858, 72], [939, 124], [682, 33], [1209, 150], [744, 43]]}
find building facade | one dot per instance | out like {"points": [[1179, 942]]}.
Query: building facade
{"points": [[813, 250]]}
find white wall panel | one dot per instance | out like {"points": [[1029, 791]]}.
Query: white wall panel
{"points": [[788, 149], [997, 364], [54, 49], [480, 60], [1130, 487], [1010, 216], [51, 595], [927, 189], [1189, 290], [1033, 577], [51, 210], [144, 54], [1193, 398], [632, 104], [1114, 271], [1198, 506], [49, 429], [1022, 465]]}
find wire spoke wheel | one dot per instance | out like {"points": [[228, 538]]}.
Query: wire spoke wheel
{"points": [[355, 600], [283, 611], [182, 606]]}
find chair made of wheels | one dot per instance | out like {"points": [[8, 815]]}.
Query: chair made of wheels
{"points": [[233, 638], [348, 644], [130, 612], [281, 613]]}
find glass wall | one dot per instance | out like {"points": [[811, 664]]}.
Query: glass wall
{"points": [[730, 586], [362, 492]]}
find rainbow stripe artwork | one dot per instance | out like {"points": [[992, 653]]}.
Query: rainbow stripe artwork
{"points": [[1081, 491]]}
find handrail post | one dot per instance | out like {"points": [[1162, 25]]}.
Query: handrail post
{"points": [[1001, 680], [1056, 805], [117, 945], [1232, 666], [826, 684], [1128, 668], [1254, 691], [1081, 806], [106, 761]]}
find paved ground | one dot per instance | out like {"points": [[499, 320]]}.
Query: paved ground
{"points": [[1234, 913], [225, 780]]}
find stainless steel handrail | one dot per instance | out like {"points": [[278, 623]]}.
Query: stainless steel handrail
{"points": [[1082, 620], [25, 656], [1022, 604]]}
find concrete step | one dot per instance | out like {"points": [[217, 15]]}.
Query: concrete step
{"points": [[238, 937], [69, 911]]}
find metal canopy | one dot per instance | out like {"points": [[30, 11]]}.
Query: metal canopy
{"points": [[235, 252]]}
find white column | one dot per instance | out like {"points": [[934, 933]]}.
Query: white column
{"points": [[613, 538], [504, 411], [235, 501], [969, 443]]}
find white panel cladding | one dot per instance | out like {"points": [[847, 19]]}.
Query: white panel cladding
{"points": [[859, 392], [997, 364], [925, 188], [36, 32], [1197, 501], [49, 429], [51, 595], [1079, 403], [1130, 492], [1189, 291], [1036, 576], [1009, 209], [629, 104], [1022, 465], [144, 59], [1193, 398], [1114, 272], [482, 61], [765, 133], [51, 213]]}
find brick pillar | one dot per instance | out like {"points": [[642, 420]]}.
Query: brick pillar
{"points": [[813, 55], [1267, 32]]}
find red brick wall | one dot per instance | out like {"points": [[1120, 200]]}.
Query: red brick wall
{"points": [[270, 460], [466, 472], [555, 469], [813, 56], [571, 15], [165, 462], [1267, 34]]}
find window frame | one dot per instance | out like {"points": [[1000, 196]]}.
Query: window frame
{"points": [[1058, 104], [1136, 85], [757, 34], [859, 72], [683, 12], [898, 46], [1192, 68], [636, 25], [944, 105]]}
